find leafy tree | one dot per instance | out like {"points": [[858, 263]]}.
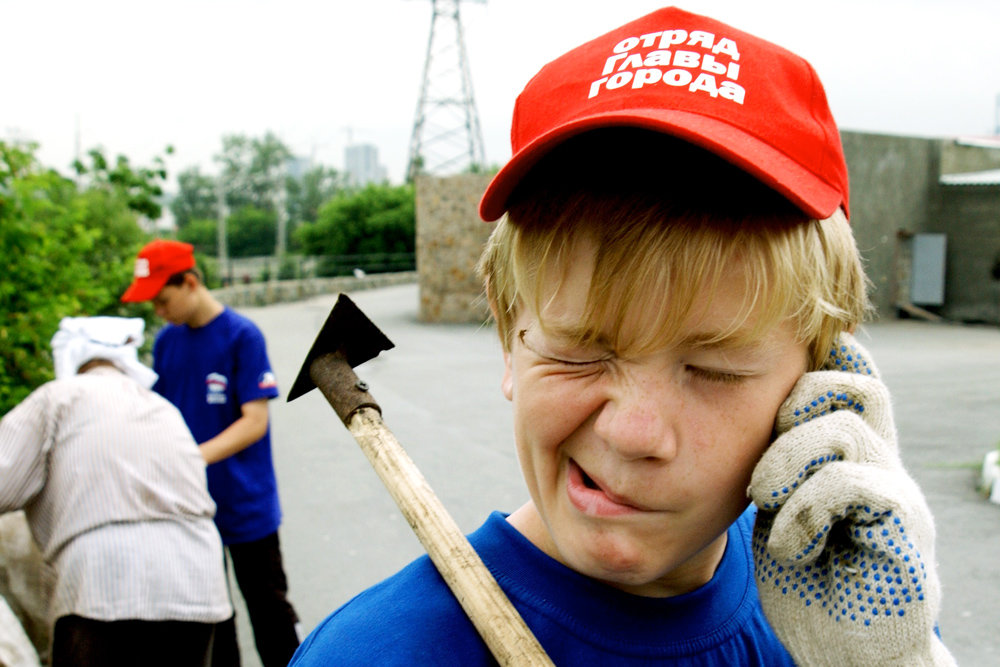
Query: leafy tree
{"points": [[375, 219], [252, 170], [138, 187], [202, 234], [306, 195], [68, 250], [253, 175], [196, 198], [251, 231]]}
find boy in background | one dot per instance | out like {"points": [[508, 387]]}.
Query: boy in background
{"points": [[212, 364], [675, 285]]}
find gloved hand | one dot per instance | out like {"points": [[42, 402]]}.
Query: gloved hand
{"points": [[844, 541]]}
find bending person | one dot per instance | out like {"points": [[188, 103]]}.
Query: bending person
{"points": [[114, 489]]}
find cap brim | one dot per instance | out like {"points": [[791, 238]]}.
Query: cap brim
{"points": [[144, 289], [758, 158]]}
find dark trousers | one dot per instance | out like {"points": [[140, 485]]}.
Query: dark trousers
{"points": [[261, 578], [85, 642]]}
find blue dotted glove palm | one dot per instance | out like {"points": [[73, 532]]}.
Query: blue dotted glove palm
{"points": [[844, 540]]}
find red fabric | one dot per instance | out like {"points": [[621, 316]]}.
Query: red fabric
{"points": [[747, 100], [157, 261]]}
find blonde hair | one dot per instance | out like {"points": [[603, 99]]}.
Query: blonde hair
{"points": [[662, 238]]}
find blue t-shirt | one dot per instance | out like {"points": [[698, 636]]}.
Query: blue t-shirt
{"points": [[209, 372], [413, 619]]}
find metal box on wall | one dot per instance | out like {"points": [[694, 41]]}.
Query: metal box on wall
{"points": [[927, 274]]}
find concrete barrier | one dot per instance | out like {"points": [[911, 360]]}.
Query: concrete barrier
{"points": [[281, 291]]}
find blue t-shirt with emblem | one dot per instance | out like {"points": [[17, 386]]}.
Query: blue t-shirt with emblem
{"points": [[208, 373]]}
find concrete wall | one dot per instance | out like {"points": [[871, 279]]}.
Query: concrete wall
{"points": [[450, 237], [970, 217], [892, 181], [959, 157]]}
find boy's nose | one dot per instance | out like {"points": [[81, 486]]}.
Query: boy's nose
{"points": [[637, 420]]}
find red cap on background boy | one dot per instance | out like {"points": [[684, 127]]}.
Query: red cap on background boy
{"points": [[157, 261], [747, 100]]}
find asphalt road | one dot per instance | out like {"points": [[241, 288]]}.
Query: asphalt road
{"points": [[440, 394]]}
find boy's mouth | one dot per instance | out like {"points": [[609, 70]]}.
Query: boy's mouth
{"points": [[588, 496]]}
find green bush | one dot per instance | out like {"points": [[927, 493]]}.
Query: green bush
{"points": [[68, 250], [376, 219]]}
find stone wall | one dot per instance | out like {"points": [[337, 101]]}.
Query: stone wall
{"points": [[278, 291], [450, 237]]}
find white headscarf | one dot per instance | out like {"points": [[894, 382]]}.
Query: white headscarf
{"points": [[116, 339]]}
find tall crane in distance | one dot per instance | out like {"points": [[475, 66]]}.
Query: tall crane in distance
{"points": [[446, 136]]}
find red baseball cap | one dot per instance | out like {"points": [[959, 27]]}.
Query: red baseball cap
{"points": [[157, 261], [750, 102]]}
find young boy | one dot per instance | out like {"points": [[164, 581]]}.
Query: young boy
{"points": [[212, 364], [673, 270]]}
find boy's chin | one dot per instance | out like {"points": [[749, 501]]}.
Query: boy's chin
{"points": [[626, 566], [641, 566]]}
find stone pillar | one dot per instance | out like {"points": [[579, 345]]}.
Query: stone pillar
{"points": [[450, 237]]}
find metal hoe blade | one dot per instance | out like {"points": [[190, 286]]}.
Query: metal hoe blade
{"points": [[347, 331]]}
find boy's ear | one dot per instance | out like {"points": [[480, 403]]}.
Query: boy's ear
{"points": [[507, 383]]}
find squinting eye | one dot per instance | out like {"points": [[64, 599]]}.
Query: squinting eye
{"points": [[566, 362], [720, 377], [556, 358]]}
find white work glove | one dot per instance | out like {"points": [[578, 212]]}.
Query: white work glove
{"points": [[844, 541]]}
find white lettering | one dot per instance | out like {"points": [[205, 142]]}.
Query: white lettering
{"points": [[732, 91], [709, 64], [705, 39], [649, 38], [644, 76], [686, 59], [728, 47], [633, 61], [609, 64], [714, 63], [595, 87], [677, 77], [657, 59], [672, 37], [707, 83], [626, 45], [619, 80]]}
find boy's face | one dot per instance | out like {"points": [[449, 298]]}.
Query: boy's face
{"points": [[175, 303], [636, 467]]}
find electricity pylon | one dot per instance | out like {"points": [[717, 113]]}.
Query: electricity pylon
{"points": [[446, 136]]}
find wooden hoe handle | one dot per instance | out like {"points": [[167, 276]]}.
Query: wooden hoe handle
{"points": [[498, 622]]}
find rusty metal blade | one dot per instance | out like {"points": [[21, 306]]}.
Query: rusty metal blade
{"points": [[348, 331]]}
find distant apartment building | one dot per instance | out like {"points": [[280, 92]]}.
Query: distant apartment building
{"points": [[361, 165], [297, 166]]}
